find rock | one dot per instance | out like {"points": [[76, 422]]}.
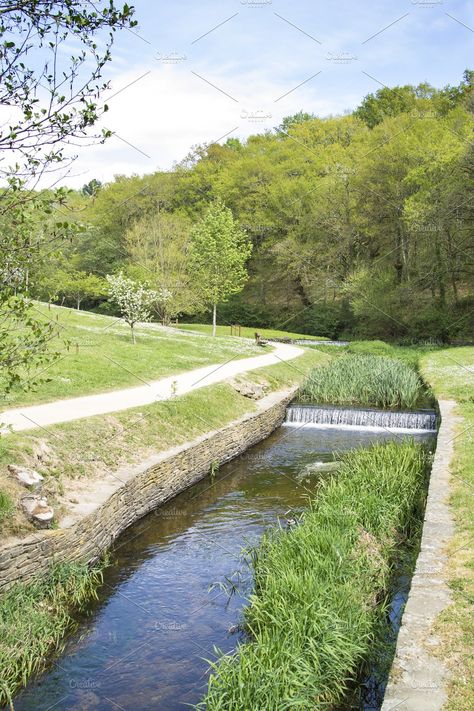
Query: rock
{"points": [[43, 452], [315, 468], [251, 390], [27, 477], [321, 467], [37, 510]]}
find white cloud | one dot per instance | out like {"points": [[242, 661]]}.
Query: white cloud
{"points": [[170, 109]]}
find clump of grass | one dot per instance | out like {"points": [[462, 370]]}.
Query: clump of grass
{"points": [[408, 354], [313, 618], [366, 380], [6, 506], [34, 618]]}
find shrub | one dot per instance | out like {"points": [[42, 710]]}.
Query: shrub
{"points": [[365, 380], [313, 618]]}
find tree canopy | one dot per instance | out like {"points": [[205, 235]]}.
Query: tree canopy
{"points": [[360, 225], [54, 93]]}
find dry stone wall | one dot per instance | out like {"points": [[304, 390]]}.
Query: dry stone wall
{"points": [[157, 481]]}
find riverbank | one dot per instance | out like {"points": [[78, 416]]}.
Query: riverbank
{"points": [[123, 439], [320, 592], [434, 665], [35, 618], [223, 424], [313, 618], [417, 678]]}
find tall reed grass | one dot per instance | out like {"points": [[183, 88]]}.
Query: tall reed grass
{"points": [[318, 598], [34, 618], [365, 380]]}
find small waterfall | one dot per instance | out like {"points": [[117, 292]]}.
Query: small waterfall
{"points": [[328, 416]]}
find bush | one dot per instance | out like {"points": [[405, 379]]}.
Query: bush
{"points": [[313, 618], [365, 380]]}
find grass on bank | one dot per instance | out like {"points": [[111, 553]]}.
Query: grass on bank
{"points": [[130, 436], [101, 356], [408, 354], [451, 374], [6, 505], [34, 618], [245, 331], [365, 380], [313, 618]]}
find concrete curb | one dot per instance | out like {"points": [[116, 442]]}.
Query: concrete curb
{"points": [[417, 678]]}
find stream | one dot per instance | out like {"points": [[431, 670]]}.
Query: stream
{"points": [[165, 605]]}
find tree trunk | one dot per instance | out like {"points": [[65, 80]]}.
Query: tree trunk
{"points": [[214, 319], [133, 333], [78, 304], [440, 273]]}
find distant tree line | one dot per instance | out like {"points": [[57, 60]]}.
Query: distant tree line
{"points": [[360, 225]]}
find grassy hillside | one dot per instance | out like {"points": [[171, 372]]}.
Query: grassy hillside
{"points": [[96, 354]]}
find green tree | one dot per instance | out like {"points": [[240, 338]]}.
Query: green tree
{"points": [[75, 286], [53, 94], [290, 121], [91, 188], [159, 248], [219, 252]]}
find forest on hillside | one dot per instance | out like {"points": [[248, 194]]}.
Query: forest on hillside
{"points": [[361, 225]]}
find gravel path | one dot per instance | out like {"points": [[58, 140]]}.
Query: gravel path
{"points": [[26, 418]]}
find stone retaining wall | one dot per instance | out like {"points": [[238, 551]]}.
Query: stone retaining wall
{"points": [[158, 480]]}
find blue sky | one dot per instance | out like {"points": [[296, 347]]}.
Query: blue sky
{"points": [[193, 72]]}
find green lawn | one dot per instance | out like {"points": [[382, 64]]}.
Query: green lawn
{"points": [[245, 331], [100, 355], [451, 374]]}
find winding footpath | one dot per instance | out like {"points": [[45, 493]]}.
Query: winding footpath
{"points": [[52, 413]]}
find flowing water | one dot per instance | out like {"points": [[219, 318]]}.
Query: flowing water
{"points": [[354, 417], [144, 643], [308, 342]]}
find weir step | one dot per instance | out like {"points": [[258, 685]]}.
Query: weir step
{"points": [[329, 416]]}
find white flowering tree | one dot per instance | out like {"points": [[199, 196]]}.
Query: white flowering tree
{"points": [[133, 299]]}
